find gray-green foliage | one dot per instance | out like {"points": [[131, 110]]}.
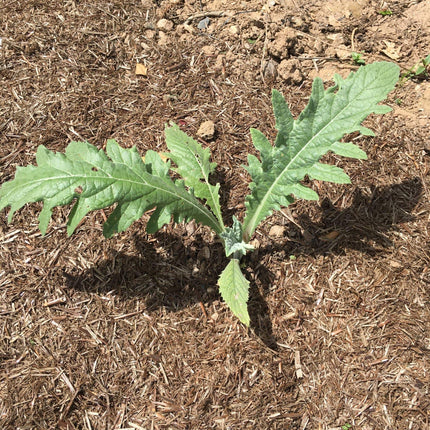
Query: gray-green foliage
{"points": [[94, 179]]}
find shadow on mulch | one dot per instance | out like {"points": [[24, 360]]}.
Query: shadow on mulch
{"points": [[162, 279], [169, 281], [364, 224]]}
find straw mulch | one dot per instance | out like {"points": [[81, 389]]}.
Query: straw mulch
{"points": [[130, 332]]}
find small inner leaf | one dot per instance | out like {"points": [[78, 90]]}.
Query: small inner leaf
{"points": [[233, 242]]}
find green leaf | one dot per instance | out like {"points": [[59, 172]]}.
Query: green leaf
{"points": [[326, 172], [385, 12], [284, 118], [358, 58], [234, 289], [347, 149], [233, 242], [97, 180], [194, 167], [329, 115]]}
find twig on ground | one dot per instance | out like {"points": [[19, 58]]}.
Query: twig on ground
{"points": [[215, 14], [207, 14]]}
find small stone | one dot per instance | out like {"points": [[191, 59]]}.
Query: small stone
{"points": [[270, 70], [297, 21], [255, 243], [395, 264], [191, 228], [277, 231], [234, 30], [162, 38], [165, 25], [284, 44], [290, 71], [206, 130], [204, 23], [150, 34], [209, 50], [204, 253]]}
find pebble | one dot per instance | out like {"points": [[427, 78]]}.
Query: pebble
{"points": [[209, 50], [255, 243], [204, 253], [206, 130], [290, 71], [277, 231], [234, 29], [164, 24], [270, 70], [204, 23]]}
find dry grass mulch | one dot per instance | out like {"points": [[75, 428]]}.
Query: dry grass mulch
{"points": [[130, 332]]}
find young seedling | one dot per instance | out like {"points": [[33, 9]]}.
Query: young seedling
{"points": [[385, 12], [419, 70], [94, 179], [358, 59]]}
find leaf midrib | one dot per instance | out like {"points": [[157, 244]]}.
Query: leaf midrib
{"points": [[216, 209], [215, 225]]}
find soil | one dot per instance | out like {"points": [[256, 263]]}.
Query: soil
{"points": [[130, 332]]}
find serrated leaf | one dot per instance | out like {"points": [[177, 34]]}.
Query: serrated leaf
{"points": [[194, 166], [122, 217], [347, 149], [234, 289], [326, 172], [160, 217], [329, 115], [261, 143], [98, 180], [366, 131], [284, 118]]}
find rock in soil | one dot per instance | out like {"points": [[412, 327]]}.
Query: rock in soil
{"points": [[283, 45], [206, 130], [277, 231], [289, 71]]}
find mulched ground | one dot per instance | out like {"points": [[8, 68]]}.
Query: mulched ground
{"points": [[130, 332]]}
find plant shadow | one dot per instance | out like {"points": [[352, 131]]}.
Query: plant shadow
{"points": [[170, 272], [165, 272], [259, 311], [365, 224]]}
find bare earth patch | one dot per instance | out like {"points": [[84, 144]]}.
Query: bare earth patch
{"points": [[130, 332]]}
